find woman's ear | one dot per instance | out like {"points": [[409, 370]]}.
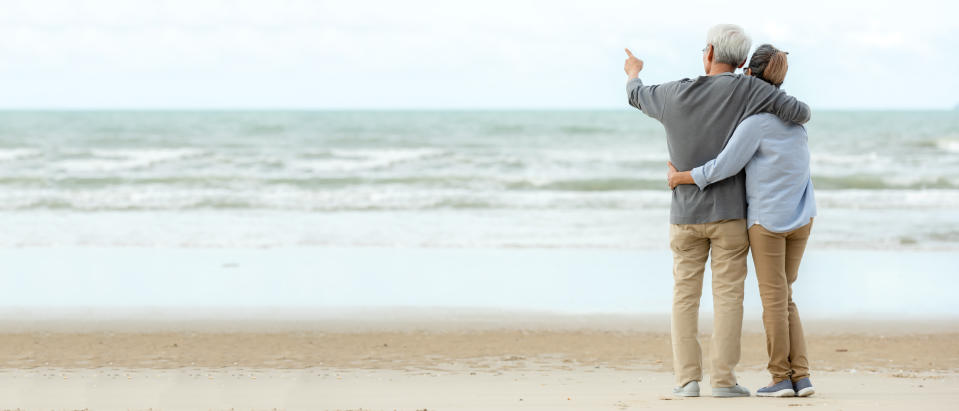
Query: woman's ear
{"points": [[748, 72]]}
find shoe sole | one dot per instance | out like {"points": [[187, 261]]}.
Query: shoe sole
{"points": [[729, 394], [684, 394], [780, 393], [805, 392]]}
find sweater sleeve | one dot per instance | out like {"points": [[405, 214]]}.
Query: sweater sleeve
{"points": [[765, 98], [650, 99], [738, 151]]}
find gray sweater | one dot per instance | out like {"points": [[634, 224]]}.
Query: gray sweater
{"points": [[700, 116]]}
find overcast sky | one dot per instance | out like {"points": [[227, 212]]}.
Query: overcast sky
{"points": [[454, 54]]}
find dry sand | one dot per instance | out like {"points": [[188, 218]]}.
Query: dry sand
{"points": [[530, 387], [491, 364]]}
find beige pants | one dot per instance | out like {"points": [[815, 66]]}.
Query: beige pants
{"points": [[777, 257], [727, 243]]}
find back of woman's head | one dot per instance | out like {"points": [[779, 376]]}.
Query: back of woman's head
{"points": [[769, 63]]}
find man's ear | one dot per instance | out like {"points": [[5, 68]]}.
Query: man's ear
{"points": [[709, 54]]}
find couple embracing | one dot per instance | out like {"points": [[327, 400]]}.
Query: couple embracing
{"points": [[745, 183]]}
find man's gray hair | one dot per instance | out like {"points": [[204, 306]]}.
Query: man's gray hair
{"points": [[730, 44]]}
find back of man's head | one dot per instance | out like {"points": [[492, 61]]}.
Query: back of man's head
{"points": [[730, 44]]}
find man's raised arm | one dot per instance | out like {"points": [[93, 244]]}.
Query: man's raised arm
{"points": [[765, 98], [650, 99]]}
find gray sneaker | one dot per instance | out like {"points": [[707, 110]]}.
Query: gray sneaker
{"points": [[734, 391], [691, 389], [783, 388], [804, 387]]}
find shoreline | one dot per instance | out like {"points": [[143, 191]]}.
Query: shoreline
{"points": [[571, 281], [436, 319]]}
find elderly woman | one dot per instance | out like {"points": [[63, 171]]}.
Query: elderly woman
{"points": [[780, 211]]}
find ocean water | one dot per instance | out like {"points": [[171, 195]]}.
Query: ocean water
{"points": [[515, 179], [200, 281]]}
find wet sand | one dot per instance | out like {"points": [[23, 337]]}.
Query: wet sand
{"points": [[425, 349]]}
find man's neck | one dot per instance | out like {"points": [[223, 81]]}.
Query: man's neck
{"points": [[720, 68]]}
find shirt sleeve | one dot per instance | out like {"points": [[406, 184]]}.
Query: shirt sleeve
{"points": [[650, 99], [765, 98], [740, 148]]}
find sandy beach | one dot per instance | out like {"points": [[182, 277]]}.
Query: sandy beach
{"points": [[439, 206], [444, 362]]}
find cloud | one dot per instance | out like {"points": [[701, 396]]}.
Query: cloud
{"points": [[441, 54]]}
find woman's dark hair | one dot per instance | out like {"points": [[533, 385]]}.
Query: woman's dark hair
{"points": [[769, 63]]}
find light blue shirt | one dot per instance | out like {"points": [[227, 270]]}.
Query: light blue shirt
{"points": [[779, 192]]}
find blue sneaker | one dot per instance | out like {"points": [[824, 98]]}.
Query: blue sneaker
{"points": [[783, 388], [804, 387]]}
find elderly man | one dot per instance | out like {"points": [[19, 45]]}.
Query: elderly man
{"points": [[700, 115]]}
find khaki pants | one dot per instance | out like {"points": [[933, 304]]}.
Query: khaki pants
{"points": [[691, 244], [777, 257]]}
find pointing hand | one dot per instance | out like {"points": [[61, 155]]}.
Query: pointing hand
{"points": [[633, 65]]}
